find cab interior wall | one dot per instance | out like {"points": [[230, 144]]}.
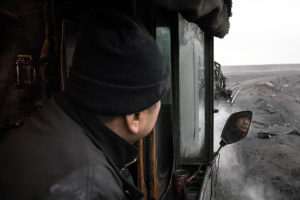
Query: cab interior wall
{"points": [[25, 34]]}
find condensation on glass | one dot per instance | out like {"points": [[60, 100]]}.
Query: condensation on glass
{"points": [[191, 93], [163, 125], [163, 39]]}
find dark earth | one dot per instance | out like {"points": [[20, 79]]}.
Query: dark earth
{"points": [[266, 164]]}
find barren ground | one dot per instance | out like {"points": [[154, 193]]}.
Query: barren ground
{"points": [[263, 168]]}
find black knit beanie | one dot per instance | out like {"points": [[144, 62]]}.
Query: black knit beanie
{"points": [[117, 67]]}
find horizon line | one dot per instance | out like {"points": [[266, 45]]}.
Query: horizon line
{"points": [[260, 64]]}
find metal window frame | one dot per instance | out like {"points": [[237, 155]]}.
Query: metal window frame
{"points": [[209, 59]]}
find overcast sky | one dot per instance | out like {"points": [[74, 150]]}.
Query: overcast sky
{"points": [[261, 32]]}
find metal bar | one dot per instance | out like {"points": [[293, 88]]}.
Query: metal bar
{"points": [[140, 170], [153, 186], [9, 15], [205, 182], [238, 86], [63, 62], [238, 92], [209, 98]]}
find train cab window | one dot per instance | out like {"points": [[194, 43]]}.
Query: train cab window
{"points": [[163, 39], [163, 127], [192, 90]]}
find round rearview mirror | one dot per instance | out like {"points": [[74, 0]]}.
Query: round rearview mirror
{"points": [[236, 127]]}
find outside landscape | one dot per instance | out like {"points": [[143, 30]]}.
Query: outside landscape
{"points": [[265, 165]]}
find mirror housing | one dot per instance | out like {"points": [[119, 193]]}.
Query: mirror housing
{"points": [[236, 127]]}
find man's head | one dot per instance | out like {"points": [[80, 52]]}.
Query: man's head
{"points": [[135, 126], [118, 71], [243, 124]]}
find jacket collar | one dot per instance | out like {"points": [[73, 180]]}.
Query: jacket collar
{"points": [[117, 149], [113, 146]]}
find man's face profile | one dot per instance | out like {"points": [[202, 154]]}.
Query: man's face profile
{"points": [[243, 124], [150, 117]]}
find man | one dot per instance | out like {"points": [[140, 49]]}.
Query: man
{"points": [[243, 124], [238, 127], [79, 144]]}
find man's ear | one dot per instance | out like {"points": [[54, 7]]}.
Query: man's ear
{"points": [[133, 122]]}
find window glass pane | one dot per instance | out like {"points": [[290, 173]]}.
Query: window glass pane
{"points": [[163, 126], [191, 93], [163, 39]]}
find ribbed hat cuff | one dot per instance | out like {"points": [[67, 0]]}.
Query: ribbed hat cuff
{"points": [[110, 99]]}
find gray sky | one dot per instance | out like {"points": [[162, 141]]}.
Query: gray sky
{"points": [[261, 32]]}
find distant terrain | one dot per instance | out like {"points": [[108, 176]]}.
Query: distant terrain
{"points": [[262, 168], [227, 69]]}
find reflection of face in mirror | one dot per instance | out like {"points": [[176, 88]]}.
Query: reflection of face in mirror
{"points": [[236, 127], [243, 124]]}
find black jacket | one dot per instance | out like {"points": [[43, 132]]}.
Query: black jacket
{"points": [[65, 153]]}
